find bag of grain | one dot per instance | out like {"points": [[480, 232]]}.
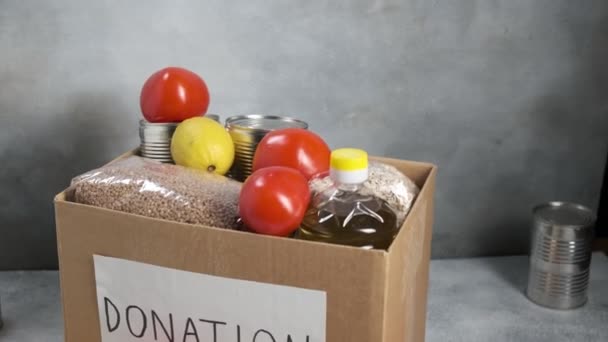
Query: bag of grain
{"points": [[146, 187]]}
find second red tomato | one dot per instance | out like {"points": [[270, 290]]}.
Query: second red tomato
{"points": [[296, 148], [273, 201], [173, 95]]}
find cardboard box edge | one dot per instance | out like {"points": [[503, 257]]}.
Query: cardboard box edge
{"points": [[429, 186], [57, 208]]}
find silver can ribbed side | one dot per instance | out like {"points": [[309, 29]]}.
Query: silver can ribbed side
{"points": [[560, 257], [155, 140]]}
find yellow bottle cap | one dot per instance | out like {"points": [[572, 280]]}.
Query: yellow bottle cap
{"points": [[348, 159]]}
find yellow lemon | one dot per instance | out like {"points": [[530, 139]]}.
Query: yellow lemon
{"points": [[204, 144]]}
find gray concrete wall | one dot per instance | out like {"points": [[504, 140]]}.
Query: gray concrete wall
{"points": [[509, 97]]}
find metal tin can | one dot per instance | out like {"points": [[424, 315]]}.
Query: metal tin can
{"points": [[214, 117], [560, 255], [247, 131], [155, 140]]}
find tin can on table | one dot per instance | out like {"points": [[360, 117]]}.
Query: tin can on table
{"points": [[247, 131], [560, 255]]}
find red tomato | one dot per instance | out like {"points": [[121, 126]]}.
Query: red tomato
{"points": [[297, 148], [273, 201], [173, 95]]}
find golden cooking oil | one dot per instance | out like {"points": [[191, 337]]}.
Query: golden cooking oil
{"points": [[342, 214]]}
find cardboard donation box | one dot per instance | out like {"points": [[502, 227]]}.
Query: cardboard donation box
{"points": [[126, 278]]}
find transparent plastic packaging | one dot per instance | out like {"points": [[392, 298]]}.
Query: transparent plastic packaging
{"points": [[342, 214], [146, 187], [385, 182]]}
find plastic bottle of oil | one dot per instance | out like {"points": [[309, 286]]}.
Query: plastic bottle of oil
{"points": [[341, 214]]}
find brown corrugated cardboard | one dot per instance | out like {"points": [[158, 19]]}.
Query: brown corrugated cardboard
{"points": [[371, 295]]}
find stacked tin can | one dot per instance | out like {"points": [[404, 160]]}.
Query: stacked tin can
{"points": [[247, 131], [155, 139], [560, 255]]}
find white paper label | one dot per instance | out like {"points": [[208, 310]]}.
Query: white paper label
{"points": [[142, 302]]}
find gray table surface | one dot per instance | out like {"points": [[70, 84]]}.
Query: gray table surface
{"points": [[469, 300]]}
